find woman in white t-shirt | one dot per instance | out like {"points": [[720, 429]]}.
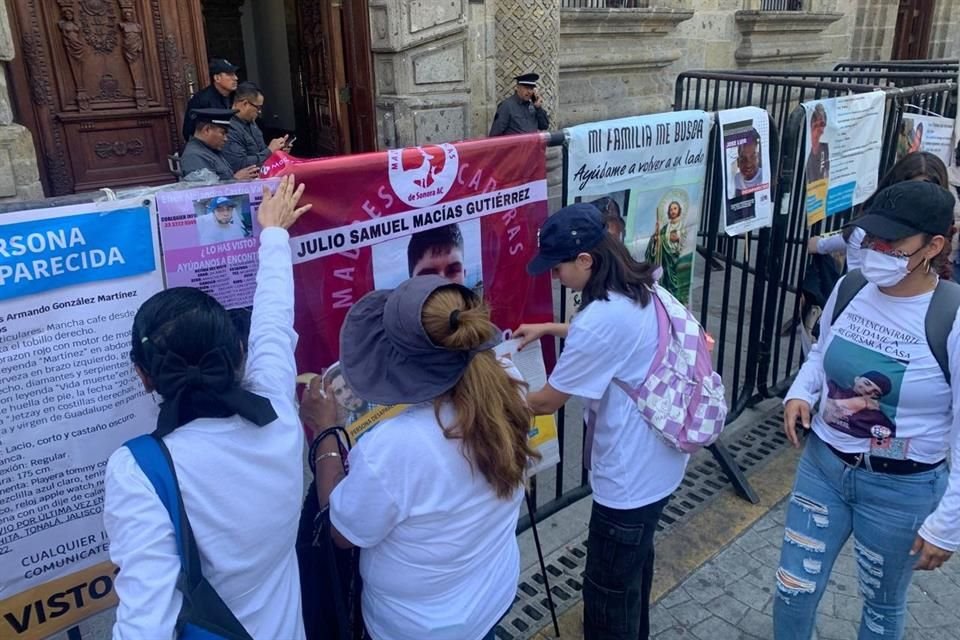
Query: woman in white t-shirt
{"points": [[612, 340], [874, 464], [229, 420], [920, 165], [432, 495]]}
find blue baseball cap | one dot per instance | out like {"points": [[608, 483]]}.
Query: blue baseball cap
{"points": [[220, 200], [567, 233]]}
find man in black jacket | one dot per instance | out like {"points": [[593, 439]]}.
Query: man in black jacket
{"points": [[218, 95], [246, 145]]}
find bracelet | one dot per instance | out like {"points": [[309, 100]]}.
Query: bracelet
{"points": [[324, 456], [311, 456]]}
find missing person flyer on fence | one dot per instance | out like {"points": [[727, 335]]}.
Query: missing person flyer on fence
{"points": [[209, 237], [842, 154], [71, 281], [745, 157]]}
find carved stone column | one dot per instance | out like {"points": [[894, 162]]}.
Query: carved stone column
{"points": [[19, 174], [528, 41]]}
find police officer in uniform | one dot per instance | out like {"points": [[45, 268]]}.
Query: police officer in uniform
{"points": [[204, 151], [523, 111], [217, 95]]}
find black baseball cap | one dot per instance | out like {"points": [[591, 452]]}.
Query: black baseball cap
{"points": [[908, 208], [220, 65], [567, 233]]}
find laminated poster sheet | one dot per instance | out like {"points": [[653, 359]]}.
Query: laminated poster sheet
{"points": [[71, 281], [745, 157], [649, 170], [842, 154]]}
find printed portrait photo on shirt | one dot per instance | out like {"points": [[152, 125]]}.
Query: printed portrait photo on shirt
{"points": [[452, 251], [662, 230], [863, 390], [223, 218]]}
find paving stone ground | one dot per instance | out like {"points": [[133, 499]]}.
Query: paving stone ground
{"points": [[731, 596]]}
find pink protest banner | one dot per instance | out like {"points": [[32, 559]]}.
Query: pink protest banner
{"points": [[209, 239]]}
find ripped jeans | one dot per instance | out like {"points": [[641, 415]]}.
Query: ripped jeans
{"points": [[831, 500]]}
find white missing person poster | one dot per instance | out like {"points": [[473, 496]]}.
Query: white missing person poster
{"points": [[842, 155], [929, 133], [71, 280], [745, 158]]}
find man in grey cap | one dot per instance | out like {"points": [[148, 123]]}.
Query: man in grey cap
{"points": [[223, 82], [246, 145], [204, 151], [523, 111]]}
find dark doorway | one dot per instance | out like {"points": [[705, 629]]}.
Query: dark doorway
{"points": [[912, 37]]}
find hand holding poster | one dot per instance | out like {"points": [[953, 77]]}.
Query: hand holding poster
{"points": [[71, 280], [745, 156], [651, 169], [843, 146], [209, 239]]}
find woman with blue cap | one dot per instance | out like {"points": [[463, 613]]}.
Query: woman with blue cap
{"points": [[433, 494], [611, 341]]}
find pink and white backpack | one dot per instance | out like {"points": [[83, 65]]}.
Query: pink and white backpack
{"points": [[682, 397]]}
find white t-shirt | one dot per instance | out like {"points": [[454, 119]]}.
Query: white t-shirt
{"points": [[742, 184], [210, 231], [439, 555], [881, 390], [242, 487], [617, 339]]}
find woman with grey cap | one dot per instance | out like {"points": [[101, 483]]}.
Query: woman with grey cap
{"points": [[886, 373], [433, 494]]}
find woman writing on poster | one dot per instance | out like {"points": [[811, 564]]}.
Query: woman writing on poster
{"points": [[228, 418], [613, 337], [433, 494], [874, 464]]}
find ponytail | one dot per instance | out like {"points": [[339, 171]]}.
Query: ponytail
{"points": [[492, 418]]}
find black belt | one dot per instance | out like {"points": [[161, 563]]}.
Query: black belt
{"points": [[884, 465]]}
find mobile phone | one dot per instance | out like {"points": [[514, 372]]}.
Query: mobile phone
{"points": [[291, 141]]}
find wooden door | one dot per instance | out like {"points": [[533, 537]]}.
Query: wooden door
{"points": [[102, 85], [334, 78], [911, 39]]}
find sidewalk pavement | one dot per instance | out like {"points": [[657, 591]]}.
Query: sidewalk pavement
{"points": [[715, 576], [731, 596]]}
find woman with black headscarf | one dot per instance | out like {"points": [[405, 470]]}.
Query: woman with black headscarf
{"points": [[229, 420]]}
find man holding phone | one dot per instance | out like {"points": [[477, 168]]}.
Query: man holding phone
{"points": [[523, 111], [246, 145]]}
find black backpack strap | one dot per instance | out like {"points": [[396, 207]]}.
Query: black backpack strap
{"points": [[849, 287], [939, 322]]}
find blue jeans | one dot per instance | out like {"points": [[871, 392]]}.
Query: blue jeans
{"points": [[830, 501], [618, 577]]}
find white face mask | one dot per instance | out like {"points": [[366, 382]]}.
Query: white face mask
{"points": [[884, 270]]}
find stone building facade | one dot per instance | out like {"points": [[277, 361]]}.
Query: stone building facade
{"points": [[439, 69]]}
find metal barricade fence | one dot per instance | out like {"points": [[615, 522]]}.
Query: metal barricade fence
{"points": [[781, 356], [771, 263]]}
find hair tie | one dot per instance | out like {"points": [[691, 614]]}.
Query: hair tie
{"points": [[454, 319]]}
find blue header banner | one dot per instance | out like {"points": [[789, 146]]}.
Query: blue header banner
{"points": [[41, 255]]}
